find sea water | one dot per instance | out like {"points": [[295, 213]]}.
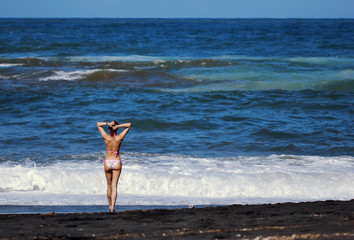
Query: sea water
{"points": [[223, 111]]}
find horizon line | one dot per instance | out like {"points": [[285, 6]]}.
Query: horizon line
{"points": [[176, 18]]}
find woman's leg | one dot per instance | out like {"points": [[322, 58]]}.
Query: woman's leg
{"points": [[108, 173], [114, 184]]}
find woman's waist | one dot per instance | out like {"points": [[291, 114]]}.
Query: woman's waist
{"points": [[112, 155], [112, 160]]}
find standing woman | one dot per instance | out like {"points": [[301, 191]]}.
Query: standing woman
{"points": [[112, 162]]}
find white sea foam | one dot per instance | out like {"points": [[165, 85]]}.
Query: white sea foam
{"points": [[116, 70], [7, 65], [177, 180], [69, 75], [76, 75]]}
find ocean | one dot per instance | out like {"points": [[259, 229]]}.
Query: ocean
{"points": [[223, 111]]}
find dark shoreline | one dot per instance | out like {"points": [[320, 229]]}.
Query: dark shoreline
{"points": [[305, 220], [40, 209]]}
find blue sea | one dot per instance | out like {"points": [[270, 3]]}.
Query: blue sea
{"points": [[223, 111]]}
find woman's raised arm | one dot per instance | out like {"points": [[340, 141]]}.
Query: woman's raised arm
{"points": [[101, 124], [123, 125], [100, 128], [125, 131]]}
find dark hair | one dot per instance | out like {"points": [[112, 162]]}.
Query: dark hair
{"points": [[111, 131]]}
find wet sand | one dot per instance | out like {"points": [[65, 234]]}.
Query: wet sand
{"points": [[307, 220]]}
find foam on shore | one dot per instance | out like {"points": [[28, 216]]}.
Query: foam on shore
{"points": [[158, 179]]}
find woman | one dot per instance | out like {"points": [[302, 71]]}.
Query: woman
{"points": [[112, 162]]}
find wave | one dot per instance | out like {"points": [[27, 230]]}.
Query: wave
{"points": [[276, 84], [8, 65], [80, 74], [304, 60], [223, 73], [176, 179], [69, 75], [225, 59], [98, 59], [322, 60], [173, 60]]}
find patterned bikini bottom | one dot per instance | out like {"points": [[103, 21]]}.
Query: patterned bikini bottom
{"points": [[112, 163]]}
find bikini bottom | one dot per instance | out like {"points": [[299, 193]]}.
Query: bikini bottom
{"points": [[112, 163]]}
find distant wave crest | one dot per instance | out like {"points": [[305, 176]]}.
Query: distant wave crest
{"points": [[219, 73]]}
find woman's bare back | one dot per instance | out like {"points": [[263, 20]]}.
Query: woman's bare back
{"points": [[113, 147]]}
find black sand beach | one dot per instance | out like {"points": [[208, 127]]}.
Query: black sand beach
{"points": [[307, 220]]}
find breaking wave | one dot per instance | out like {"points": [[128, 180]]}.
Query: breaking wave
{"points": [[178, 179]]}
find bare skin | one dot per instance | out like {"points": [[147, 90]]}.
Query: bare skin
{"points": [[113, 144]]}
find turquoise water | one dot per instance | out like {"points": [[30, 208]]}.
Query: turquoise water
{"points": [[223, 110]]}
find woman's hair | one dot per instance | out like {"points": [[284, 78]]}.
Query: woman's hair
{"points": [[111, 131]]}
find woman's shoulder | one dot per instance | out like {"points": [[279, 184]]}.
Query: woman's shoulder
{"points": [[117, 138]]}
